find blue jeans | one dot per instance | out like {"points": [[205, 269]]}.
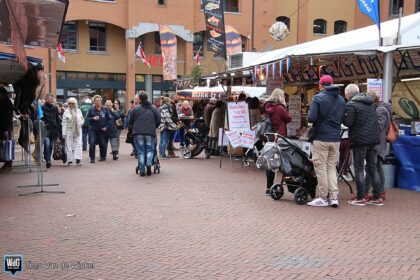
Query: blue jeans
{"points": [[85, 132], [360, 154], [48, 147], [97, 137], [164, 140], [145, 146]]}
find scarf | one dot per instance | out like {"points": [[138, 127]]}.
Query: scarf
{"points": [[74, 123]]}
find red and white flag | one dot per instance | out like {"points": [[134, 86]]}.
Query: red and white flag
{"points": [[140, 53], [60, 53], [197, 56]]}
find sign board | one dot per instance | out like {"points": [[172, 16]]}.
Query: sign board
{"points": [[238, 116], [234, 138], [225, 138], [248, 139], [375, 85], [215, 26], [295, 112]]}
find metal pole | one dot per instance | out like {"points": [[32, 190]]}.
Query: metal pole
{"points": [[387, 76], [253, 26]]}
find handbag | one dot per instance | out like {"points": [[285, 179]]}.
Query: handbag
{"points": [[393, 131], [7, 150], [59, 149], [313, 131]]}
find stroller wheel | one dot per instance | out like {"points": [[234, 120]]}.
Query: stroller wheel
{"points": [[186, 153], [276, 191], [157, 168], [245, 163], [301, 196]]}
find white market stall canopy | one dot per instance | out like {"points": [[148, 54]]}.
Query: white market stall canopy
{"points": [[360, 41]]}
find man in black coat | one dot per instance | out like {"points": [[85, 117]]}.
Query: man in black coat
{"points": [[52, 122], [144, 121], [361, 119], [6, 121]]}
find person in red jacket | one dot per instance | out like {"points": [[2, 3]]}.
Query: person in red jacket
{"points": [[275, 109]]}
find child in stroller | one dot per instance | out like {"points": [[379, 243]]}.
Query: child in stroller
{"points": [[298, 172], [196, 138]]}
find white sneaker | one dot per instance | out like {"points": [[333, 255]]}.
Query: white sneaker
{"points": [[319, 202], [334, 203], [348, 178]]}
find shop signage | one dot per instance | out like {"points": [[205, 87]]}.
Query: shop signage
{"points": [[375, 85], [238, 116]]}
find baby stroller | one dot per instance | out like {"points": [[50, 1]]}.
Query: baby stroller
{"points": [[196, 138], [298, 171], [155, 163]]}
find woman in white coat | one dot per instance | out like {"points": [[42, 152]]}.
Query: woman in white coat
{"points": [[72, 132]]}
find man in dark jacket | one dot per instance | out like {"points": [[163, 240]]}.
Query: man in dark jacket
{"points": [[52, 122], [144, 121], [99, 120], [361, 119], [87, 104], [384, 114], [326, 114], [6, 121]]}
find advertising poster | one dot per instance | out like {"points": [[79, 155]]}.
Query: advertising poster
{"points": [[215, 26], [168, 45], [375, 85], [272, 84], [294, 110], [238, 116], [233, 41], [248, 139], [234, 138]]}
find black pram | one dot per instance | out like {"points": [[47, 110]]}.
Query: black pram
{"points": [[293, 163], [196, 138]]}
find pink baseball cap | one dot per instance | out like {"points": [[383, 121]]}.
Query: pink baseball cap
{"points": [[326, 79]]}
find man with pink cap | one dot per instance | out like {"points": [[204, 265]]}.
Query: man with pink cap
{"points": [[326, 115]]}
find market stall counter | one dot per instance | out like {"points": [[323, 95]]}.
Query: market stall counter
{"points": [[407, 151]]}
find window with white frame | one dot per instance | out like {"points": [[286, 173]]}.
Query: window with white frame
{"points": [[394, 7], [97, 37], [68, 36]]}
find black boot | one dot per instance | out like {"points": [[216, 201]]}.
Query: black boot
{"points": [[115, 155], [149, 171]]}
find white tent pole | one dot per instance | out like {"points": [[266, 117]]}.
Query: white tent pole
{"points": [[387, 78]]}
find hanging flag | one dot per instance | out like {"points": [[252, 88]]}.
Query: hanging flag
{"points": [[371, 9], [140, 53], [274, 70], [288, 64], [320, 70], [267, 72], [168, 44], [60, 53], [197, 56], [215, 26], [18, 30], [254, 74], [281, 68]]}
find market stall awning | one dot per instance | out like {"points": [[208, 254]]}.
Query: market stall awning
{"points": [[11, 70], [360, 41]]}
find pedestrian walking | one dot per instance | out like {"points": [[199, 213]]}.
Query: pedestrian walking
{"points": [[112, 131], [99, 118], [72, 132], [86, 105], [51, 118], [144, 120], [362, 121], [275, 109], [326, 115], [166, 126], [6, 121], [135, 102]]}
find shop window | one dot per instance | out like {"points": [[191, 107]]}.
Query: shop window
{"points": [[320, 26], [161, 2], [285, 20], [417, 6], [157, 43], [340, 26], [139, 78], [394, 7], [120, 77], [82, 76], [61, 75], [198, 43], [68, 37], [91, 76], [231, 6], [157, 79], [71, 75], [97, 37]]}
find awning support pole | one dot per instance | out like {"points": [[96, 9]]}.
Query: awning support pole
{"points": [[387, 77]]}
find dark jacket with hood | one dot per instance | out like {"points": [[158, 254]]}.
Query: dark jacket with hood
{"points": [[360, 117], [279, 117], [52, 120], [384, 113], [144, 119], [326, 114], [6, 115]]}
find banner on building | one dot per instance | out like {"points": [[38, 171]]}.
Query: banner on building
{"points": [[233, 41], [371, 9], [215, 26], [375, 85], [168, 44]]}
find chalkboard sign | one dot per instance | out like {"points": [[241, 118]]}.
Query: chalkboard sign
{"points": [[238, 116]]}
